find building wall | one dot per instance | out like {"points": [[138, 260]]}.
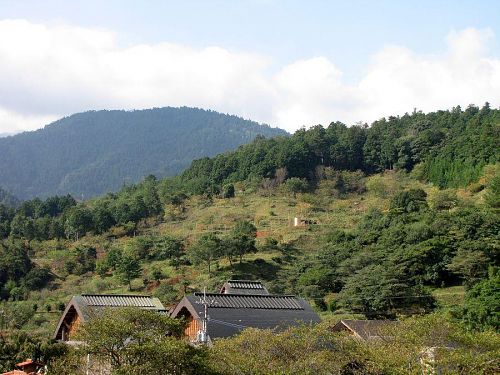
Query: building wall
{"points": [[73, 327], [192, 328]]}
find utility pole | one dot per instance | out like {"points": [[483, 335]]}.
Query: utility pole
{"points": [[202, 336]]}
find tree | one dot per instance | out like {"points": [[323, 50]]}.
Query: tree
{"points": [[166, 247], [37, 278], [22, 226], [471, 265], [134, 341], [150, 195], [78, 222], [18, 345], [102, 219], [299, 350], [157, 273], [381, 290], [128, 269], [6, 215], [241, 239], [296, 185], [82, 260], [492, 196], [206, 250], [412, 200]]}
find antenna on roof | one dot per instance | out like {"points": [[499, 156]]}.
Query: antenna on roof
{"points": [[202, 336]]}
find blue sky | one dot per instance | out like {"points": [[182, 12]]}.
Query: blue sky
{"points": [[283, 45]]}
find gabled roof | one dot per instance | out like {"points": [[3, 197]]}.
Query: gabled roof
{"points": [[243, 287], [231, 313], [247, 301], [365, 329], [88, 305], [120, 300]]}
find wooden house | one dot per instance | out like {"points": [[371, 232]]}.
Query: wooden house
{"points": [[86, 306], [242, 304], [366, 330]]}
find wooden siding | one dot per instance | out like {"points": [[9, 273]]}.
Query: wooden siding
{"points": [[192, 328], [73, 327]]}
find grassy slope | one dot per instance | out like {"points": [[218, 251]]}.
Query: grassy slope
{"points": [[273, 216]]}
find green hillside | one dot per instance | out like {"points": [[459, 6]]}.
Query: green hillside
{"points": [[374, 240], [92, 153]]}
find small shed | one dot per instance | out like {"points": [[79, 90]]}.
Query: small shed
{"points": [[366, 330], [83, 307], [243, 287]]}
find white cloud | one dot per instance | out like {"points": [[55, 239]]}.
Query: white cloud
{"points": [[399, 80], [51, 71], [13, 122]]}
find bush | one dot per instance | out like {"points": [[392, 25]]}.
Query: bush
{"points": [[166, 293], [296, 185], [228, 191], [482, 304], [412, 200], [444, 200]]}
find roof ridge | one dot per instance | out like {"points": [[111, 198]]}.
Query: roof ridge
{"points": [[246, 295], [245, 281], [116, 295]]}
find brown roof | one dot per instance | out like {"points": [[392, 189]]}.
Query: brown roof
{"points": [[28, 362], [365, 329]]}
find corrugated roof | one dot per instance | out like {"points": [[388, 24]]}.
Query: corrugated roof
{"points": [[245, 301], [245, 284], [243, 287], [119, 300], [88, 306], [235, 312]]}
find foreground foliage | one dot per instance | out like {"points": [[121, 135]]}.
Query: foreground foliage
{"points": [[407, 348], [132, 341], [16, 346]]}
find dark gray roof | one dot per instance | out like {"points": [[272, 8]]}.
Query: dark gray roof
{"points": [[243, 287], [366, 329], [232, 313], [247, 301], [89, 305]]}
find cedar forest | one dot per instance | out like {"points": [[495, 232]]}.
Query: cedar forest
{"points": [[404, 224]]}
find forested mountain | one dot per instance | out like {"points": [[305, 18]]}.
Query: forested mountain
{"points": [[450, 149], [2, 135], [7, 199], [95, 152]]}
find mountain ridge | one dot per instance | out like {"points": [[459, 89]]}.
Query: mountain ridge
{"points": [[94, 152]]}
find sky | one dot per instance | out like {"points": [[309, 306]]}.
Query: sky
{"points": [[285, 63]]}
